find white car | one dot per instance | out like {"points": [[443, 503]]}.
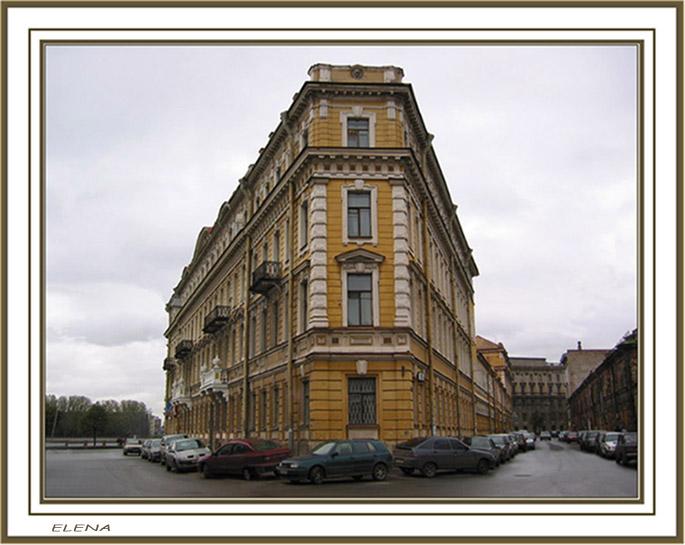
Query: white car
{"points": [[166, 440], [183, 454]]}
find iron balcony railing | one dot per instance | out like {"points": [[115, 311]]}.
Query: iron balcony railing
{"points": [[169, 364], [183, 349], [216, 319], [265, 277]]}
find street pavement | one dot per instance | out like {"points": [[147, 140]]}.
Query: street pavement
{"points": [[552, 470]]}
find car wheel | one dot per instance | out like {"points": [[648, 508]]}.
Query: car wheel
{"points": [[483, 466], [380, 472], [407, 470], [618, 460], [429, 469], [168, 467], [206, 471], [248, 474], [316, 475]]}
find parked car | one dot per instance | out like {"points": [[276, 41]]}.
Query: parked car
{"points": [[432, 454], [144, 449], [571, 436], [482, 442], [530, 440], [183, 454], [247, 457], [545, 436], [555, 433], [154, 450], [607, 444], [520, 440], [562, 435], [587, 443], [513, 442], [502, 443], [581, 437], [165, 441], [332, 459], [132, 446], [626, 448]]}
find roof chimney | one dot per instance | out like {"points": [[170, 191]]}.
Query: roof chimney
{"points": [[580, 345]]}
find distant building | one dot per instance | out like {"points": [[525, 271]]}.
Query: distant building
{"points": [[540, 394], [580, 363], [500, 417], [608, 397], [333, 296]]}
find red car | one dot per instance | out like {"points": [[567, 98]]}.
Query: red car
{"points": [[247, 457]]}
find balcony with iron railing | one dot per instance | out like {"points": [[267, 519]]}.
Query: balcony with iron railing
{"points": [[216, 319], [169, 364], [265, 277], [183, 349]]}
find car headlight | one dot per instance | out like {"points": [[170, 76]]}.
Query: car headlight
{"points": [[294, 465]]}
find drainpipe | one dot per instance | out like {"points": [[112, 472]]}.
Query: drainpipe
{"points": [[289, 318], [429, 325], [456, 344], [246, 317]]}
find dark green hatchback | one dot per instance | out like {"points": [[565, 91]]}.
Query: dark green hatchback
{"points": [[354, 458]]}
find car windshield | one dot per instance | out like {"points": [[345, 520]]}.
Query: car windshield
{"points": [[611, 437], [156, 442], [480, 442], [323, 449], [189, 444], [631, 438], [529, 435], [261, 446], [498, 439], [133, 441]]}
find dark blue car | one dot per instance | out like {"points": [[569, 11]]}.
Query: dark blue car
{"points": [[354, 458]]}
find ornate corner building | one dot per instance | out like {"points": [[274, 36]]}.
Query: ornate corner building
{"points": [[333, 296]]}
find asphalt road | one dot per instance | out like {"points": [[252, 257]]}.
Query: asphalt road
{"points": [[552, 470]]}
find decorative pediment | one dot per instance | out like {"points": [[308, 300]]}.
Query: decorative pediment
{"points": [[360, 255]]}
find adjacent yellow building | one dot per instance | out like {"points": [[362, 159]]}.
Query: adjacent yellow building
{"points": [[333, 296]]}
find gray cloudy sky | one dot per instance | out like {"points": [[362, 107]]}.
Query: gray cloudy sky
{"points": [[145, 143]]}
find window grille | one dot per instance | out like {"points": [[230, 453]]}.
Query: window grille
{"points": [[362, 400]]}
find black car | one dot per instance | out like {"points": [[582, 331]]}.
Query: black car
{"points": [[431, 454], [626, 448], [332, 459], [481, 442]]}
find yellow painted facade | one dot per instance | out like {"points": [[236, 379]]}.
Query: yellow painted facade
{"points": [[339, 272]]}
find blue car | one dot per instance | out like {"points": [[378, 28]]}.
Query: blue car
{"points": [[354, 458]]}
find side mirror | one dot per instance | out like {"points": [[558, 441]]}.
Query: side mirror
{"points": [[334, 454]]}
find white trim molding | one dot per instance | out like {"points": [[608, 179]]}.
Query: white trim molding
{"points": [[360, 186], [400, 217], [318, 289]]}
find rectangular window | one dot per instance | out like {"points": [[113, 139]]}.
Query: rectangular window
{"points": [[276, 407], [362, 400], [304, 224], [358, 132], [305, 403], [359, 300], [253, 409], [264, 409], [277, 246], [274, 320], [304, 305], [264, 330], [359, 214]]}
